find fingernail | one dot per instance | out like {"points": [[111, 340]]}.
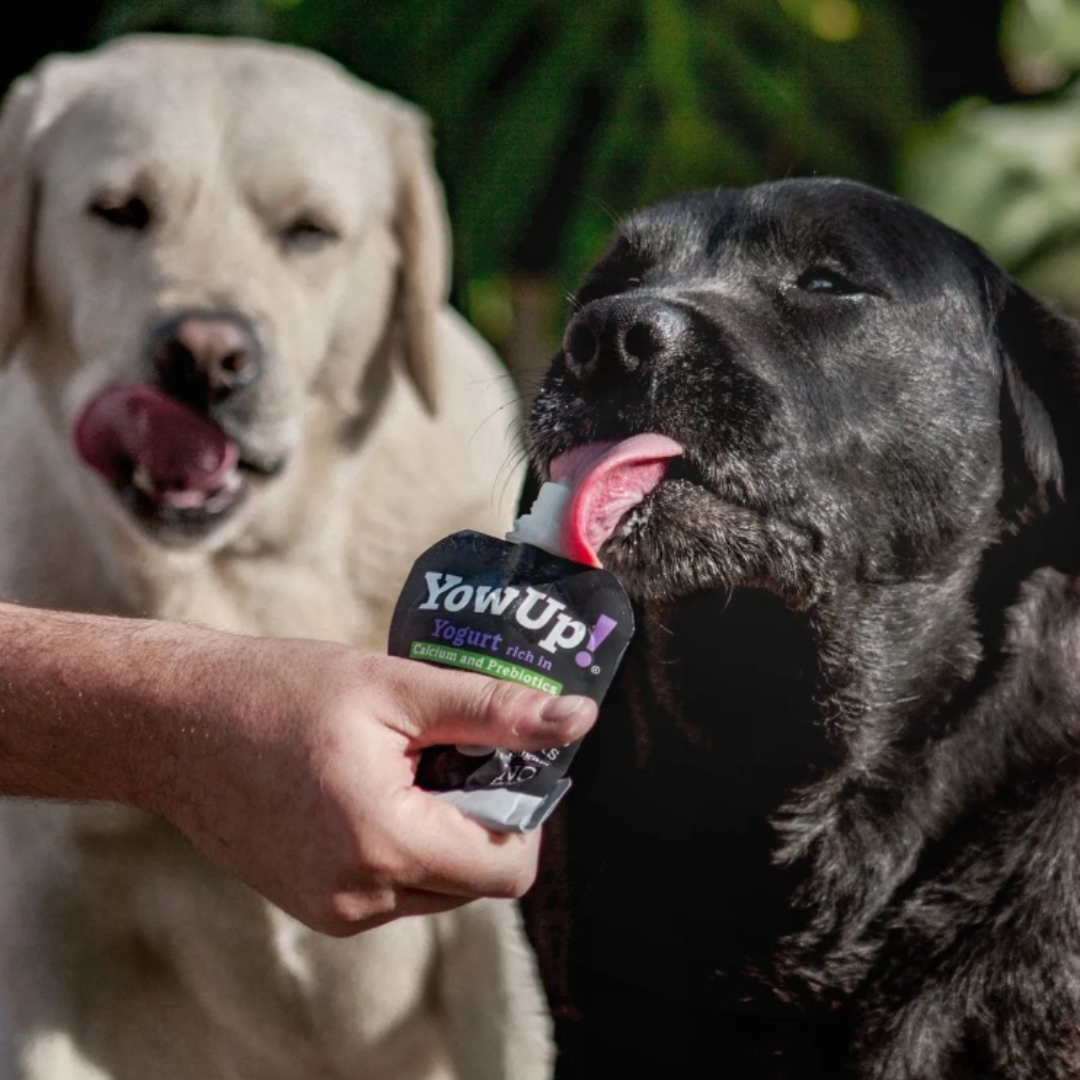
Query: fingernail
{"points": [[559, 709]]}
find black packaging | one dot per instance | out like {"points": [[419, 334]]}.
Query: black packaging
{"points": [[511, 611]]}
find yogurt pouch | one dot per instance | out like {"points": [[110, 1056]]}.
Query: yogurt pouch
{"points": [[536, 608], [517, 612]]}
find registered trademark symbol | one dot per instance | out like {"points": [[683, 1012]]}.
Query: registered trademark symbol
{"points": [[595, 669]]}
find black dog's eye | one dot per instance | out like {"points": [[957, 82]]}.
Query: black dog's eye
{"points": [[308, 233], [130, 212], [818, 279]]}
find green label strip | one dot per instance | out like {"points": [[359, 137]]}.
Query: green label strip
{"points": [[486, 665]]}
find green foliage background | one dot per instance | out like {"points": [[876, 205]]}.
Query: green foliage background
{"points": [[554, 117], [1009, 175]]}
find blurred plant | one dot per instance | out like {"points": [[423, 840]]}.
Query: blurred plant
{"points": [[242, 17], [1041, 43], [553, 117], [1009, 175]]}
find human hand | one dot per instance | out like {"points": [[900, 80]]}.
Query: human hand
{"points": [[292, 765]]}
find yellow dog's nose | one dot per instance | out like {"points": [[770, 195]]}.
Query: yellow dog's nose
{"points": [[203, 357]]}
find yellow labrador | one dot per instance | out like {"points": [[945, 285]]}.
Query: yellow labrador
{"points": [[235, 395]]}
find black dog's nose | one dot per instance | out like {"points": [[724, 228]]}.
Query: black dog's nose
{"points": [[621, 333], [202, 358]]}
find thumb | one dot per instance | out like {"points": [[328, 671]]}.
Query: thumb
{"points": [[440, 707]]}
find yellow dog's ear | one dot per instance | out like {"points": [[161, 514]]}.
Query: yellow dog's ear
{"points": [[32, 105], [423, 234], [17, 118]]}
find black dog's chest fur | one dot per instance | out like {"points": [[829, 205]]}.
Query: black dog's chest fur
{"points": [[689, 943], [828, 826], [675, 815]]}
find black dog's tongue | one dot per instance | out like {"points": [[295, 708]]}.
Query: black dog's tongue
{"points": [[607, 480], [136, 429]]}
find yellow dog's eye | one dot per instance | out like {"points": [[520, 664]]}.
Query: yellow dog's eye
{"points": [[308, 233], [130, 212]]}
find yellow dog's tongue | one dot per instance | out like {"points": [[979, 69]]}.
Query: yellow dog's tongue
{"points": [[136, 426], [608, 479]]}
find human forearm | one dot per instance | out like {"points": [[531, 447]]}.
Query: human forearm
{"points": [[85, 704], [290, 763]]}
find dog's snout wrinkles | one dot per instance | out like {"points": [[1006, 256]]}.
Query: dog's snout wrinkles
{"points": [[203, 358], [621, 334]]}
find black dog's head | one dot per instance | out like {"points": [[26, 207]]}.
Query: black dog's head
{"points": [[861, 395]]}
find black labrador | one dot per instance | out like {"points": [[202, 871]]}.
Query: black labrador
{"points": [[829, 824]]}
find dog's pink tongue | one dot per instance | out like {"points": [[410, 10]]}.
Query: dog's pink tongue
{"points": [[137, 426], [608, 479]]}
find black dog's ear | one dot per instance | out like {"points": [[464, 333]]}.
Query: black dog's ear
{"points": [[1040, 403]]}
